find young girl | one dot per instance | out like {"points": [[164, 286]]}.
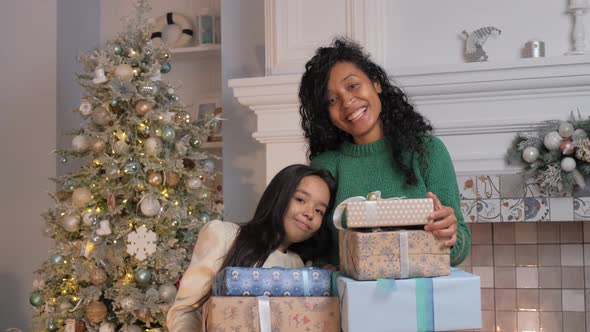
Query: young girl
{"points": [[362, 129], [289, 227]]}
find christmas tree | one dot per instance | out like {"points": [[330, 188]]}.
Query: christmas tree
{"points": [[125, 223]]}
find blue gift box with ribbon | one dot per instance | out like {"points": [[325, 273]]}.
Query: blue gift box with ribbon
{"points": [[446, 303], [275, 281]]}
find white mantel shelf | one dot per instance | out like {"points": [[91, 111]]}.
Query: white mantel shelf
{"points": [[453, 97]]}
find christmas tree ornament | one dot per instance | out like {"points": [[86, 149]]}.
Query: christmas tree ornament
{"points": [[568, 164], [112, 171], [52, 326], [96, 239], [195, 142], [64, 306], [167, 292], [171, 179], [142, 107], [204, 217], [204, 195], [166, 68], [57, 259], [97, 145], [164, 56], [552, 140], [149, 89], [182, 118], [128, 304], [143, 130], [131, 328], [121, 147], [565, 129], [81, 197], [99, 76], [143, 277], [174, 97], [80, 143], [579, 134], [106, 327], [104, 229], [150, 206], [143, 314], [583, 150], [97, 276], [132, 167], [123, 89], [124, 72], [88, 217], [194, 183], [567, 147], [208, 165], [70, 223], [36, 299], [85, 108], [63, 160], [96, 312], [117, 49], [168, 134], [141, 243], [101, 116], [152, 146], [154, 178]]}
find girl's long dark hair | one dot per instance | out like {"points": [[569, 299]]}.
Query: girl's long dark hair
{"points": [[263, 234], [403, 127]]}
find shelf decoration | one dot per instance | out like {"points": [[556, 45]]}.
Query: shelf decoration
{"points": [[474, 43], [170, 18], [557, 155]]}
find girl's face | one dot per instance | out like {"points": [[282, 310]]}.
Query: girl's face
{"points": [[354, 103], [306, 210]]}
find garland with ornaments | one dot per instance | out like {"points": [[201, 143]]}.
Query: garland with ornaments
{"points": [[557, 156]]}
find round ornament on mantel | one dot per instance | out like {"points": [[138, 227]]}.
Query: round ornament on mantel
{"points": [[530, 154], [552, 140]]}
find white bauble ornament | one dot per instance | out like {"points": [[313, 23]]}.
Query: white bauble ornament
{"points": [[579, 134], [568, 164], [150, 206], [530, 154], [194, 183], [124, 72], [106, 327], [70, 223], [85, 108], [81, 197], [566, 129], [167, 292], [121, 147], [552, 140], [152, 146], [80, 143]]}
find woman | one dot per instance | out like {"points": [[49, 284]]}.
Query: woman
{"points": [[362, 129], [289, 227]]}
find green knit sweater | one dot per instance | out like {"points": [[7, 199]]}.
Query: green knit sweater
{"points": [[363, 168]]}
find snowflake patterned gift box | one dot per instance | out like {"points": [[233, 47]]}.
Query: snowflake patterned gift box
{"points": [[275, 281], [375, 212], [396, 254], [262, 314]]}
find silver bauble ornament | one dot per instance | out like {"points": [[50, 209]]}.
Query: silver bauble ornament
{"points": [[167, 292], [80, 143], [566, 129], [168, 134], [81, 197], [152, 146], [552, 140], [117, 49], [36, 299], [568, 164], [70, 223], [149, 89], [195, 142], [150, 206], [194, 183], [132, 167], [124, 72], [121, 147], [166, 68], [579, 134], [209, 165], [143, 276], [57, 259], [530, 154], [204, 217]]}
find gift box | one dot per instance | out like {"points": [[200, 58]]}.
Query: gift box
{"points": [[393, 254], [445, 303], [386, 212], [266, 314], [275, 281]]}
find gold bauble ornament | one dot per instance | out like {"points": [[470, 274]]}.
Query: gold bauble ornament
{"points": [[372, 197], [164, 56], [124, 72], [154, 178], [101, 116], [143, 314], [97, 276], [172, 179], [142, 107], [121, 147], [182, 118], [96, 312], [97, 145], [81, 197]]}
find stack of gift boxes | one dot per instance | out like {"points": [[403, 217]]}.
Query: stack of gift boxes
{"points": [[397, 275], [394, 277]]}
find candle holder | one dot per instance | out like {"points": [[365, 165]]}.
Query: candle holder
{"points": [[578, 33]]}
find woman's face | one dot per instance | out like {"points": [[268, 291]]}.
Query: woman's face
{"points": [[354, 103], [306, 210]]}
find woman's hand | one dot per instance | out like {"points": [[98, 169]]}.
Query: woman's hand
{"points": [[444, 223]]}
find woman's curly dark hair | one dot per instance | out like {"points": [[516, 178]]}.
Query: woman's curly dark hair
{"points": [[403, 127]]}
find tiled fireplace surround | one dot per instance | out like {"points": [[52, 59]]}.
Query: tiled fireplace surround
{"points": [[532, 252]]}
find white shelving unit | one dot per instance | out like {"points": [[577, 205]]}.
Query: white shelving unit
{"points": [[213, 48]]}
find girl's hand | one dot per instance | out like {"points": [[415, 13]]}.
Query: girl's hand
{"points": [[445, 221]]}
